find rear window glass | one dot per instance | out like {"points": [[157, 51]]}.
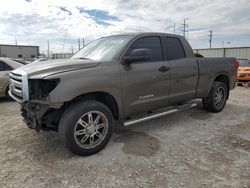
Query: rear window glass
{"points": [[174, 49], [244, 63]]}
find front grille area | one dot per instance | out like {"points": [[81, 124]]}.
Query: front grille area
{"points": [[19, 86]]}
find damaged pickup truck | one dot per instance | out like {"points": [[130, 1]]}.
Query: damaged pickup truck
{"points": [[128, 78]]}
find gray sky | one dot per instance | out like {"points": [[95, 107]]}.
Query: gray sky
{"points": [[33, 22]]}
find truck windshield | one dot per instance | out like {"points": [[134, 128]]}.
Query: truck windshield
{"points": [[102, 49]]}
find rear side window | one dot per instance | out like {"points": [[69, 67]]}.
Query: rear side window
{"points": [[151, 43], [174, 49], [7, 67], [1, 66], [4, 66]]}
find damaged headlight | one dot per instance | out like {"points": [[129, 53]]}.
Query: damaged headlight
{"points": [[41, 88]]}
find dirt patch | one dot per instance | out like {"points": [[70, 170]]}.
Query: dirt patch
{"points": [[138, 143], [233, 141], [200, 115], [240, 143]]}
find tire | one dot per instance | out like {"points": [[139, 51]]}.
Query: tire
{"points": [[78, 130], [7, 93], [217, 98]]}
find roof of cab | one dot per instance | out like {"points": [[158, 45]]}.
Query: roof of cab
{"points": [[137, 34]]}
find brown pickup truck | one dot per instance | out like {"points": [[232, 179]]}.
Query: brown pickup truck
{"points": [[128, 78]]}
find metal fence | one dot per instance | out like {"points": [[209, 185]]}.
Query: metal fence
{"points": [[238, 53], [61, 55]]}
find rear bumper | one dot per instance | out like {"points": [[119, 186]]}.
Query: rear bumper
{"points": [[243, 76], [243, 80]]}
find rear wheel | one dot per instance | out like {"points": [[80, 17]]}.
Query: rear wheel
{"points": [[86, 127], [217, 98]]}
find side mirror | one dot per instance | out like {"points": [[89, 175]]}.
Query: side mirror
{"points": [[141, 54]]}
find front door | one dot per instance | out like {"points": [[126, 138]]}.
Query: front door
{"points": [[145, 84]]}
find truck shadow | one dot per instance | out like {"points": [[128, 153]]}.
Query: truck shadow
{"points": [[3, 100]]}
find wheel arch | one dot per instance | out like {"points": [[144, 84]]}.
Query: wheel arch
{"points": [[224, 78], [6, 86], [103, 97]]}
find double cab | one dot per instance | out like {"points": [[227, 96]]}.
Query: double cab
{"points": [[128, 78]]}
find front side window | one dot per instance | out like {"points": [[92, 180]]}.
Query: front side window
{"points": [[151, 43], [175, 49], [103, 49]]}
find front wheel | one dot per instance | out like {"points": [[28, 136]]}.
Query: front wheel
{"points": [[86, 127], [7, 93], [217, 98]]}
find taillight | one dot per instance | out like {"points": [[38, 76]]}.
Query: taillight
{"points": [[237, 64]]}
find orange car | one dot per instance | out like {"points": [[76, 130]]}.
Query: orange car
{"points": [[244, 72]]}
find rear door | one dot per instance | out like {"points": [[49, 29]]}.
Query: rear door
{"points": [[4, 76], [184, 71], [145, 87]]}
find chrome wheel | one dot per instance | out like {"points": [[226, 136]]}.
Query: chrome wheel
{"points": [[90, 129], [219, 97]]}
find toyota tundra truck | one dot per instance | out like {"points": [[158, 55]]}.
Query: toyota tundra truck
{"points": [[120, 79]]}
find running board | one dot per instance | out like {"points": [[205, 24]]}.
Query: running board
{"points": [[153, 116]]}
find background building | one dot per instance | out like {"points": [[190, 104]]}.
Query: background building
{"points": [[19, 51]]}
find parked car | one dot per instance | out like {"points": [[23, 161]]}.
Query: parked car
{"points": [[22, 61], [40, 59], [6, 65], [129, 78], [244, 72]]}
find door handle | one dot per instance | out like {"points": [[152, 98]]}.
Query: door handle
{"points": [[164, 69]]}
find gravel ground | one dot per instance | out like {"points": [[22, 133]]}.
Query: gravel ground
{"points": [[188, 149]]}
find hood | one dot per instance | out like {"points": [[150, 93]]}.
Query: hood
{"points": [[45, 68], [244, 70]]}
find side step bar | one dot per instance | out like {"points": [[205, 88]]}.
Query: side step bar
{"points": [[153, 116]]}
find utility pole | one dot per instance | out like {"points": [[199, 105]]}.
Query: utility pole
{"points": [[174, 28], [48, 50], [15, 40], [79, 43], [185, 26], [210, 38], [72, 50], [83, 42], [63, 43]]}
